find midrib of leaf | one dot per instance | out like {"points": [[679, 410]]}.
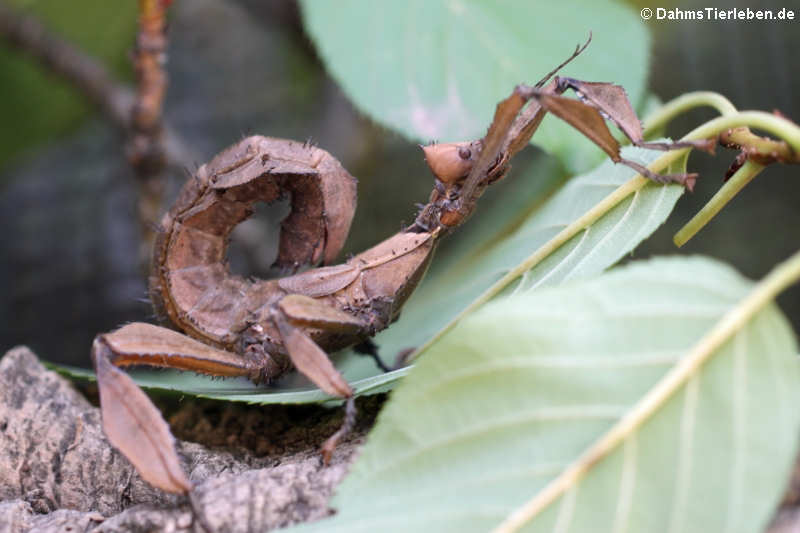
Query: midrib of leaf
{"points": [[763, 293], [583, 258], [436, 392]]}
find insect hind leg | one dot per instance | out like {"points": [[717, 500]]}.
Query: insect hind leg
{"points": [[369, 348]]}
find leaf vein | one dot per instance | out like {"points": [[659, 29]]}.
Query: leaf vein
{"points": [[685, 450], [549, 414], [627, 485], [565, 261], [611, 232]]}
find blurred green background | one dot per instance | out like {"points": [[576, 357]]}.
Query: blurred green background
{"points": [[68, 250]]}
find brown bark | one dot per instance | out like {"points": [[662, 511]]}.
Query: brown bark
{"points": [[57, 470]]}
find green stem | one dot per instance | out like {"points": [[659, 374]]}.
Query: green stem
{"points": [[777, 126], [673, 108], [725, 194]]}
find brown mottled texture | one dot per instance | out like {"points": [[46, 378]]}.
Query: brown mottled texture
{"points": [[58, 471], [253, 332], [190, 284], [135, 427], [54, 453]]}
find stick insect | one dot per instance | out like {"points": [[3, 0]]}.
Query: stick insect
{"points": [[262, 328]]}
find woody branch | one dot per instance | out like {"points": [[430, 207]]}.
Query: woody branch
{"points": [[152, 147]]}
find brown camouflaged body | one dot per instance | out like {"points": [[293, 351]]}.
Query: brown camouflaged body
{"points": [[191, 286]]}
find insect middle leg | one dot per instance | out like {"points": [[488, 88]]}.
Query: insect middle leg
{"points": [[369, 348], [294, 316]]}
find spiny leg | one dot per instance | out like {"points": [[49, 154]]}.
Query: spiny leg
{"points": [[130, 420], [589, 118], [613, 104], [368, 347], [291, 316]]}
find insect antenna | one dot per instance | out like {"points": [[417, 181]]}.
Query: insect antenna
{"points": [[578, 50]]}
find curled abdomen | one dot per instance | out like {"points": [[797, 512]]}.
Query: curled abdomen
{"points": [[190, 284]]}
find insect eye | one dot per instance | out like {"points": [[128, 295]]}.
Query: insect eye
{"points": [[464, 152]]}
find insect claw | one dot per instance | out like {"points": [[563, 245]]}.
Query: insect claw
{"points": [[741, 159], [690, 181], [348, 423], [369, 348], [401, 359]]}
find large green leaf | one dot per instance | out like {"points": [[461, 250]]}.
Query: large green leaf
{"points": [[520, 389], [434, 69]]}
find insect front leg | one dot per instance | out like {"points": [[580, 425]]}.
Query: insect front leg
{"points": [[598, 102], [613, 104]]}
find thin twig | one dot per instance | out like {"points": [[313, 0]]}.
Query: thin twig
{"points": [[145, 148], [743, 176], [152, 146], [86, 74], [61, 57]]}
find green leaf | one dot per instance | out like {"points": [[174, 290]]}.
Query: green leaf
{"points": [[516, 393], [465, 275], [435, 69], [293, 390]]}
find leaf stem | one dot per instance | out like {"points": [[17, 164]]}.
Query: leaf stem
{"points": [[778, 126], [725, 194], [681, 104], [781, 277]]}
